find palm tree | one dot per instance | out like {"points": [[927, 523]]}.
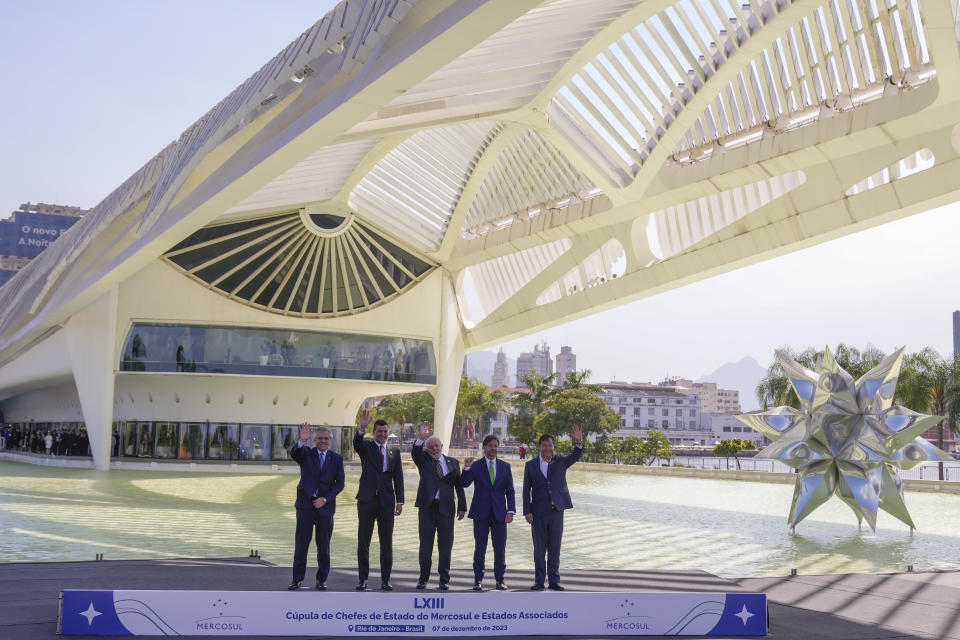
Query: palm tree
{"points": [[578, 380], [541, 389]]}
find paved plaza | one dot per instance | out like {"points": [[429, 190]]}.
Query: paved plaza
{"points": [[858, 607]]}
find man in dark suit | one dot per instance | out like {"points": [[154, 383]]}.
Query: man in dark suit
{"points": [[545, 498], [321, 479], [439, 480], [379, 498], [491, 509]]}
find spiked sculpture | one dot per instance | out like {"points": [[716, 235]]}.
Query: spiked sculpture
{"points": [[847, 438]]}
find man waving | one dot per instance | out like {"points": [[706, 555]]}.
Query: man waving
{"points": [[545, 498]]}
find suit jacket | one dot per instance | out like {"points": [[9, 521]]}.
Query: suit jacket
{"points": [[539, 493], [375, 483], [431, 483], [316, 483], [497, 498]]}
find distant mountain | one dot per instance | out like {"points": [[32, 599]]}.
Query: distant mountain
{"points": [[742, 376], [480, 366]]}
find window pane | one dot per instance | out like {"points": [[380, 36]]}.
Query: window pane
{"points": [[255, 442], [283, 439], [192, 441], [167, 439], [277, 352], [223, 441]]}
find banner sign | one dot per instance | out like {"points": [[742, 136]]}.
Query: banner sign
{"points": [[281, 613]]}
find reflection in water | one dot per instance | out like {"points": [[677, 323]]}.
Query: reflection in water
{"points": [[620, 521]]}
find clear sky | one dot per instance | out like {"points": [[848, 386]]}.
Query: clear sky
{"points": [[94, 89]]}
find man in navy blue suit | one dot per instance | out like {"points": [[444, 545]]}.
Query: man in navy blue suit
{"points": [[545, 498], [492, 509], [379, 498], [321, 479]]}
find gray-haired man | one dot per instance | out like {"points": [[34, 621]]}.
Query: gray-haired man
{"points": [[439, 479]]}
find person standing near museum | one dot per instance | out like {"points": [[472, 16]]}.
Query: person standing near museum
{"points": [[545, 498], [492, 509], [321, 479], [379, 498], [439, 481]]}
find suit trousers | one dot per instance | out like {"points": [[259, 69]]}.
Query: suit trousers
{"points": [[547, 534], [311, 522], [369, 513], [434, 524], [496, 529]]}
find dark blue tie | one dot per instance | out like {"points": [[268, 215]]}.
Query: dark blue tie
{"points": [[321, 454]]}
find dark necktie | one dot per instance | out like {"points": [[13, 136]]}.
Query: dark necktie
{"points": [[382, 456], [322, 455], [436, 461]]}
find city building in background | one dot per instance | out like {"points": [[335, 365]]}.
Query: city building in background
{"points": [[725, 426], [645, 407], [29, 230], [956, 333], [566, 363], [501, 375], [712, 398], [538, 361]]}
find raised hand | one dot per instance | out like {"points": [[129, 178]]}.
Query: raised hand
{"points": [[364, 419], [577, 433], [425, 430], [306, 431], [467, 462]]}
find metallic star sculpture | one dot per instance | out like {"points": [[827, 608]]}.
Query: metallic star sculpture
{"points": [[848, 438]]}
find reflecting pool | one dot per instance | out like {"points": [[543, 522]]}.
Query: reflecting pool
{"points": [[619, 521]]}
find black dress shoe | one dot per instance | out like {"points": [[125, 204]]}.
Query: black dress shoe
{"points": [[294, 585], [321, 585], [501, 586], [361, 586], [555, 586], [477, 586], [421, 584], [444, 586], [536, 587], [385, 585]]}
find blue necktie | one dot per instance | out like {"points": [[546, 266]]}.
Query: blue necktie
{"points": [[321, 454]]}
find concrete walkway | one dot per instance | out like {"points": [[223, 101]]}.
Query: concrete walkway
{"points": [[858, 607]]}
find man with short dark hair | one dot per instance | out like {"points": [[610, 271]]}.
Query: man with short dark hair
{"points": [[379, 498], [491, 509], [545, 498], [321, 480]]}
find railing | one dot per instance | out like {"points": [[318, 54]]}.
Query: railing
{"points": [[928, 471]]}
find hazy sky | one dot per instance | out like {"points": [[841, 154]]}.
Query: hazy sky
{"points": [[94, 89]]}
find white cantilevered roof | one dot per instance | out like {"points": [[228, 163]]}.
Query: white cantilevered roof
{"points": [[556, 157]]}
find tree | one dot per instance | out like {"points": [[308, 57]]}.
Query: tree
{"points": [[577, 407], [603, 449], [658, 447], [728, 448], [521, 428], [541, 389], [774, 389], [633, 450], [578, 380]]}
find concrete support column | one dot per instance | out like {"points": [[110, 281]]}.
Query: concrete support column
{"points": [[91, 341], [450, 354]]}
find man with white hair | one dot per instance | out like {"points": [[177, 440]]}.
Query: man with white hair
{"points": [[321, 479], [439, 480]]}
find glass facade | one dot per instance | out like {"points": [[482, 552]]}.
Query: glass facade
{"points": [[175, 440], [167, 348]]}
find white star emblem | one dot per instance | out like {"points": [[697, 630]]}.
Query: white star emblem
{"points": [[744, 615], [90, 613]]}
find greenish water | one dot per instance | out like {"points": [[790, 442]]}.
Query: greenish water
{"points": [[619, 521]]}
